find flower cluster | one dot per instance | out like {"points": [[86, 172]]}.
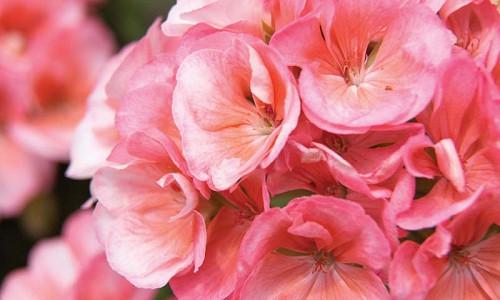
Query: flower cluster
{"points": [[71, 267], [49, 63], [293, 149]]}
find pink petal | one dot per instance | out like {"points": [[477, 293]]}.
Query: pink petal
{"points": [[79, 234], [404, 280], [217, 276], [442, 202], [97, 281], [135, 210], [20, 284], [22, 176]]}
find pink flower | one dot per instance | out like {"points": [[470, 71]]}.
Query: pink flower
{"points": [[58, 87], [459, 154], [477, 28], [22, 174], [69, 267], [146, 211], [251, 109], [459, 261], [316, 247], [358, 66], [20, 21]]}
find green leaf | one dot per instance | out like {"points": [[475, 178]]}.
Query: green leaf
{"points": [[164, 293], [282, 200]]}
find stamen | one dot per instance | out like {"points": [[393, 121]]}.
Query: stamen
{"points": [[323, 260], [336, 143]]}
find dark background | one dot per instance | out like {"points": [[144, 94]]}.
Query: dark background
{"points": [[43, 218]]}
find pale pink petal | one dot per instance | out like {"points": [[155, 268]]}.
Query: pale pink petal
{"points": [[21, 285], [216, 13], [95, 135], [53, 263], [151, 45], [450, 164], [136, 210], [237, 135]]}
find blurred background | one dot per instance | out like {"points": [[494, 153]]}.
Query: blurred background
{"points": [[44, 216]]}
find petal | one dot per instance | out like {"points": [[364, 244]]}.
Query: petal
{"points": [[53, 263], [280, 277], [135, 186], [216, 279], [98, 281], [151, 45], [186, 14], [22, 176], [95, 135], [417, 161], [140, 247], [442, 202], [138, 218], [404, 280], [449, 164], [471, 225], [20, 284], [79, 234]]}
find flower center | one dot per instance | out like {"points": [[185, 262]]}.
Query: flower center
{"points": [[268, 120], [460, 256], [267, 31], [336, 143], [469, 43], [336, 190], [469, 39], [324, 259], [351, 75]]}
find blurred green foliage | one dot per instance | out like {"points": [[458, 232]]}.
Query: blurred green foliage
{"points": [[129, 19]]}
